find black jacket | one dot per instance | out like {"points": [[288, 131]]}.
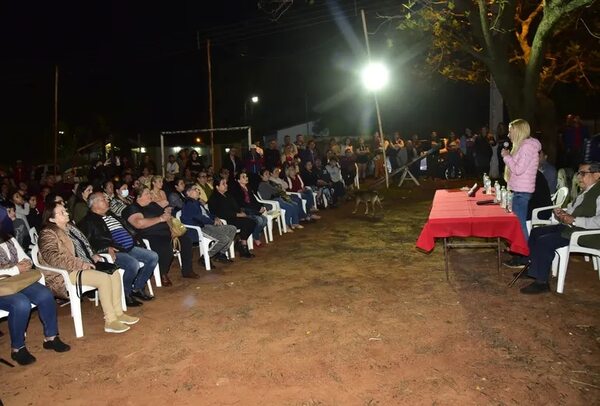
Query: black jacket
{"points": [[223, 206], [97, 232]]}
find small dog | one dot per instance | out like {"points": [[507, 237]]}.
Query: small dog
{"points": [[366, 197]]}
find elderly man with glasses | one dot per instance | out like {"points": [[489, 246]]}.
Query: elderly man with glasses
{"points": [[583, 214]]}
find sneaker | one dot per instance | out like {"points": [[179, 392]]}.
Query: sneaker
{"points": [[22, 356], [300, 226], [115, 327], [57, 345], [516, 262], [535, 288], [126, 319]]}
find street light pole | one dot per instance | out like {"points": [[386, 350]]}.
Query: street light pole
{"points": [[387, 181]]}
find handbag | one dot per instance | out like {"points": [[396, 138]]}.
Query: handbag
{"points": [[106, 267], [177, 227], [9, 285]]}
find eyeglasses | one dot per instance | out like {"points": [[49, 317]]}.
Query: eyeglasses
{"points": [[583, 173]]}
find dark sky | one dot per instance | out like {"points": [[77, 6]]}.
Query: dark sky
{"points": [[135, 67]]}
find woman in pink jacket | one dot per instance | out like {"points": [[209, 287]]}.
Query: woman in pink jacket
{"points": [[521, 167]]}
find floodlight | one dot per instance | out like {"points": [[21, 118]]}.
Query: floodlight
{"points": [[254, 99], [375, 76]]}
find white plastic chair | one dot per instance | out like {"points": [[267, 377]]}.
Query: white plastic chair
{"points": [[273, 214], [558, 200], [281, 223], [561, 257], [121, 271], [71, 289], [203, 241], [157, 269], [33, 235], [303, 200]]}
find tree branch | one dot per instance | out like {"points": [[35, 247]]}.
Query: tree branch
{"points": [[525, 25]]}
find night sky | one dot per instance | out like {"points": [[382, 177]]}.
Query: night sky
{"points": [[129, 68]]}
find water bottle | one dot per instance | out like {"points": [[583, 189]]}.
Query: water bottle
{"points": [[503, 198], [497, 192], [509, 199], [488, 185]]}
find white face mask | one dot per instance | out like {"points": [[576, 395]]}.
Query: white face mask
{"points": [[124, 192]]}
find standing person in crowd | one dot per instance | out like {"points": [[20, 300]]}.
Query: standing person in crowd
{"points": [[225, 207], [362, 157], [58, 251], [13, 260], [253, 163], [233, 163], [21, 208], [482, 155], [182, 160], [521, 168], [172, 166], [299, 142], [18, 228], [287, 141], [310, 153], [195, 212], [194, 163], [108, 234], [272, 155], [288, 156], [494, 161], [150, 222]]}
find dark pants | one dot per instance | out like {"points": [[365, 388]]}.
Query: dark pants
{"points": [[19, 308], [245, 224], [164, 248], [542, 243], [135, 277]]}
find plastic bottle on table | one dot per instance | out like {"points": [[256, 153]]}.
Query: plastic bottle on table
{"points": [[509, 198]]}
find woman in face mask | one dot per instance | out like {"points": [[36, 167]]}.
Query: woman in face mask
{"points": [[119, 198]]}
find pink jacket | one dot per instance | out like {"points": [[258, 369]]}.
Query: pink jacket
{"points": [[523, 166]]}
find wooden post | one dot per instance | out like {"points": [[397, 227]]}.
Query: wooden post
{"points": [[55, 125], [210, 104]]}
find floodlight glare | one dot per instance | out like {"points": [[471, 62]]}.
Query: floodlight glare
{"points": [[254, 99], [375, 76]]}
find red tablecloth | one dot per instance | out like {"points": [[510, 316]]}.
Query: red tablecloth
{"points": [[454, 214]]}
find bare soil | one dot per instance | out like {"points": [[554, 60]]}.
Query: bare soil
{"points": [[345, 312]]}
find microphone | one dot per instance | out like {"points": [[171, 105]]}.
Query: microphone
{"points": [[506, 144]]}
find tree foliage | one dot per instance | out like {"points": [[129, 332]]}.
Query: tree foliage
{"points": [[528, 46]]}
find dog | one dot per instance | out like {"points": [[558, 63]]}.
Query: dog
{"points": [[366, 197]]}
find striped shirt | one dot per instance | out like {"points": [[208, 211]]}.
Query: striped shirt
{"points": [[118, 233]]}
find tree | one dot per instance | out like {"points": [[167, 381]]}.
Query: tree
{"points": [[527, 46]]}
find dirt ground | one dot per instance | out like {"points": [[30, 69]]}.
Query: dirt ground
{"points": [[345, 312]]}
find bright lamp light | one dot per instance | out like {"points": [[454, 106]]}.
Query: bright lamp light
{"points": [[254, 99], [375, 76]]}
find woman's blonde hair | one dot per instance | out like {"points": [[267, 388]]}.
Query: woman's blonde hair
{"points": [[154, 179], [521, 131]]}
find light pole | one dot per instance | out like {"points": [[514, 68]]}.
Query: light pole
{"points": [[375, 77]]}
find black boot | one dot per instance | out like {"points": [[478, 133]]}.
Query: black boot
{"points": [[245, 252]]}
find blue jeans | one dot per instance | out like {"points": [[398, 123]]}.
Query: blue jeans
{"points": [[292, 213], [261, 223], [520, 205], [134, 276], [298, 200], [19, 308]]}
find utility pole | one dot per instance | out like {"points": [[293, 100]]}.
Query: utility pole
{"points": [[387, 181], [55, 125], [210, 103]]}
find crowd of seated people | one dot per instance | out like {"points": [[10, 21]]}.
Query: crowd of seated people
{"points": [[108, 217]]}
